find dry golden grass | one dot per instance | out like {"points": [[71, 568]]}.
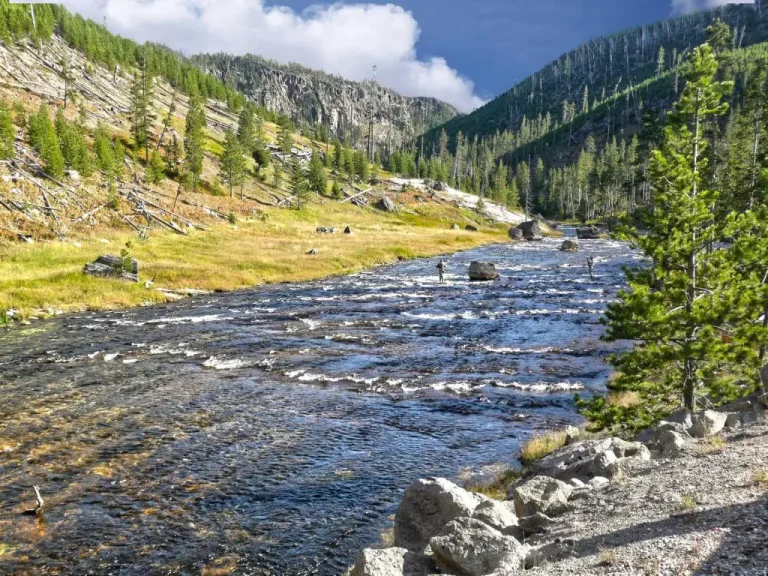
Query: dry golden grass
{"points": [[496, 487], [760, 478], [540, 446], [712, 445], [42, 276], [622, 399]]}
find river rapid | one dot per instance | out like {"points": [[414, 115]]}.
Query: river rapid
{"points": [[274, 430]]}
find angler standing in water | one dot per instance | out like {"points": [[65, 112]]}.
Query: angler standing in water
{"points": [[591, 266], [441, 268]]}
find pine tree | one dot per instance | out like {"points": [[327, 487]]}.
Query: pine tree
{"points": [[232, 169], [673, 308], [719, 36], [104, 150], [338, 155], [285, 139], [7, 133], [336, 190], [318, 180], [194, 141], [246, 129], [361, 168], [142, 114], [299, 189], [155, 171]]}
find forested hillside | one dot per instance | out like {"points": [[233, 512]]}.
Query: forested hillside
{"points": [[573, 140]]}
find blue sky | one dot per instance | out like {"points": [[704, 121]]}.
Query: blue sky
{"points": [[463, 52], [496, 42]]}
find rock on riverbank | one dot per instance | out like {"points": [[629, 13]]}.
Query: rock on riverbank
{"points": [[690, 500]]}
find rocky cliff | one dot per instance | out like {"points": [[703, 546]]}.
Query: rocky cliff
{"points": [[316, 97]]}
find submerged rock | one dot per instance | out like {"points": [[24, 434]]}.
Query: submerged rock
{"points": [[569, 246], [482, 271]]}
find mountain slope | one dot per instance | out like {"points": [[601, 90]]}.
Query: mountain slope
{"points": [[315, 97], [599, 71]]}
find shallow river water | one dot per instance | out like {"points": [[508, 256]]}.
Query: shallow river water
{"points": [[274, 430]]}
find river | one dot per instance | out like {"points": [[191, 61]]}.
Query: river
{"points": [[275, 429]]}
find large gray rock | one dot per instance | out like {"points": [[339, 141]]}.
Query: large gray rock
{"points": [[391, 562], [531, 230], [386, 205], [569, 246], [482, 272], [541, 494], [515, 233], [498, 515], [671, 443], [588, 233], [109, 266], [472, 548], [536, 523], [746, 411], [428, 505], [582, 459], [707, 423]]}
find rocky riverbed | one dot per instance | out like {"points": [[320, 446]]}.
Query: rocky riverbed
{"points": [[691, 499]]}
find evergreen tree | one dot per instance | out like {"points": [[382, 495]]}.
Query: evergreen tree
{"points": [[285, 139], [673, 307], [246, 129], [336, 190], [155, 171], [194, 141], [660, 61], [7, 133], [318, 180], [361, 167], [338, 156], [299, 189], [277, 177], [42, 136], [232, 168], [142, 98], [719, 36]]}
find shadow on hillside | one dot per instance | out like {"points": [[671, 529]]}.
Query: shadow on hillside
{"points": [[743, 530]]}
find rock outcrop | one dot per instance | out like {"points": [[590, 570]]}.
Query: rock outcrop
{"points": [[109, 266], [482, 272], [386, 205], [316, 97], [541, 494]]}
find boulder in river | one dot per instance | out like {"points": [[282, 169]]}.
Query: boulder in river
{"points": [[515, 233], [109, 266], [531, 230], [482, 272], [569, 246], [386, 205], [588, 233]]}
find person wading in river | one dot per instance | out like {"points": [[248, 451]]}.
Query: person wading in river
{"points": [[441, 268], [591, 266]]}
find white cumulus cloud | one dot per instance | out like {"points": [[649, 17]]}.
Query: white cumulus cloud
{"points": [[344, 39], [687, 6]]}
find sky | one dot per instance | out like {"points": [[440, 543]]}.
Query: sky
{"points": [[460, 51]]}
